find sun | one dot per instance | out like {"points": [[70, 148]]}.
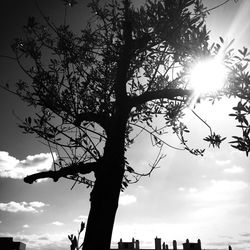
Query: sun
{"points": [[208, 76]]}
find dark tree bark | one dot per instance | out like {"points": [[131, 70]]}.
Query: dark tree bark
{"points": [[104, 203], [104, 197]]}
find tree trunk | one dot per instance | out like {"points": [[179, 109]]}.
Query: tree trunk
{"points": [[105, 194], [104, 203]]}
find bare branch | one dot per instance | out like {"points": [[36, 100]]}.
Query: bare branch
{"points": [[170, 94], [78, 168], [101, 119], [152, 133], [8, 57], [153, 166], [217, 6], [210, 129]]}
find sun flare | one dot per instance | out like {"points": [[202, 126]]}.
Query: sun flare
{"points": [[208, 76]]}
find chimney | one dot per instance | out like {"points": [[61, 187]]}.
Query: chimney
{"points": [[137, 244], [199, 243], [157, 243], [164, 246], [174, 245], [120, 244]]}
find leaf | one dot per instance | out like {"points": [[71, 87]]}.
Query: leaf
{"points": [[75, 242], [125, 184], [129, 169], [214, 140], [244, 67], [70, 237], [82, 226]]}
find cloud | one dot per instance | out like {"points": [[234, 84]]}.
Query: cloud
{"points": [[10, 167], [217, 201], [222, 162], [234, 170], [126, 199], [43, 238], [222, 243], [47, 241], [14, 207], [192, 190], [26, 226], [220, 190], [81, 218], [37, 204], [245, 234], [57, 223]]}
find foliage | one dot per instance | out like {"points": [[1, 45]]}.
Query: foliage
{"points": [[240, 87], [74, 77]]}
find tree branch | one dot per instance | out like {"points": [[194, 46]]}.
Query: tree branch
{"points": [[78, 168], [101, 119], [171, 94]]}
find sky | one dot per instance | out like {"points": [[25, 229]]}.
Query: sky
{"points": [[190, 197]]}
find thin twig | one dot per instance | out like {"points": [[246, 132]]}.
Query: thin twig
{"points": [[211, 132], [152, 134]]}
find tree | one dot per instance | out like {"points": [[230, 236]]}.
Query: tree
{"points": [[93, 92]]}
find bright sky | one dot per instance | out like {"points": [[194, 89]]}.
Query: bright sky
{"points": [[187, 197]]}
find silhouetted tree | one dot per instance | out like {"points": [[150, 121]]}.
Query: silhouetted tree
{"points": [[94, 92]]}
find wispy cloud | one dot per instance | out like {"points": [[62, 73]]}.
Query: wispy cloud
{"points": [[222, 162], [192, 190], [15, 207], [220, 190], [81, 218], [245, 234], [219, 244], [126, 199], [57, 223], [234, 170], [217, 201], [10, 167]]}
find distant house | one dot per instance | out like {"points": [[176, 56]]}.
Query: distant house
{"points": [[192, 246], [7, 243]]}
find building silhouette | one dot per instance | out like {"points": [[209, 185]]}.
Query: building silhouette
{"points": [[7, 243], [135, 245]]}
